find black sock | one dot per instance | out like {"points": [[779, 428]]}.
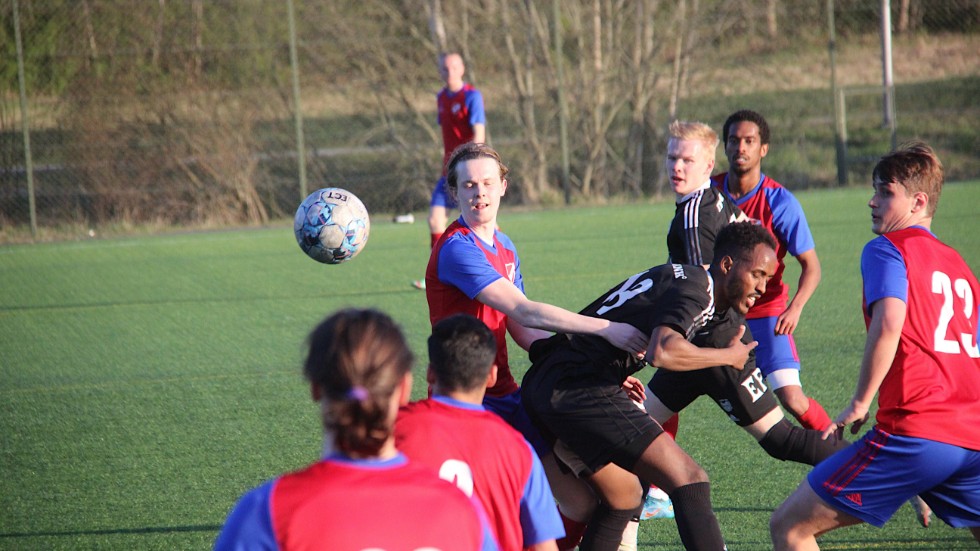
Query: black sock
{"points": [[606, 526], [696, 522], [786, 441]]}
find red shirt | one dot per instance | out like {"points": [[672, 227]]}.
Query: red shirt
{"points": [[932, 390]]}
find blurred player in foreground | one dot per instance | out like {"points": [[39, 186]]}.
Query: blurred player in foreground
{"points": [[359, 370], [474, 269], [921, 358], [462, 118], [458, 438], [774, 317], [574, 388]]}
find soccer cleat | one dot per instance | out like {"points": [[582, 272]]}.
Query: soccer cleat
{"points": [[419, 284], [922, 511], [657, 505]]}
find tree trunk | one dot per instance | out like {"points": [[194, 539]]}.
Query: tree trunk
{"points": [[771, 6], [437, 28]]}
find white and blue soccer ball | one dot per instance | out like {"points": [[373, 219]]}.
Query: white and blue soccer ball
{"points": [[332, 225]]}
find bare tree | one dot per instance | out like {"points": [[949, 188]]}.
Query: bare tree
{"points": [[437, 28], [644, 75], [771, 26], [522, 75]]}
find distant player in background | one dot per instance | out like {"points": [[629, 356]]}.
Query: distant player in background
{"points": [[474, 269], [921, 358], [458, 438], [360, 371], [461, 116], [774, 317]]}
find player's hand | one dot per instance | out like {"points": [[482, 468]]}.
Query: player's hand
{"points": [[855, 415], [626, 337], [787, 321], [740, 350], [635, 389]]}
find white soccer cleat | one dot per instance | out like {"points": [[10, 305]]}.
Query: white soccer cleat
{"points": [[922, 511], [657, 505]]}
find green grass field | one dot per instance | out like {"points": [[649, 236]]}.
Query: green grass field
{"points": [[145, 383]]}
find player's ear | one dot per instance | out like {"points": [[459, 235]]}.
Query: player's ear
{"points": [[404, 389], [503, 186], [430, 375], [726, 263], [492, 376], [763, 150], [920, 201]]}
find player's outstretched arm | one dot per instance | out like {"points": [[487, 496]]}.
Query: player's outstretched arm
{"points": [[670, 350], [504, 296], [525, 336], [884, 332]]}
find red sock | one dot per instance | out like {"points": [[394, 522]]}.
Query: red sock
{"points": [[434, 238], [573, 533], [815, 417], [671, 425]]}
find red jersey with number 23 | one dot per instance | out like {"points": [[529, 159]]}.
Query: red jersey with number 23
{"points": [[932, 390]]}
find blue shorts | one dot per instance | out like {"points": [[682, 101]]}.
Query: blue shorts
{"points": [[774, 352], [872, 478], [511, 409], [441, 196]]}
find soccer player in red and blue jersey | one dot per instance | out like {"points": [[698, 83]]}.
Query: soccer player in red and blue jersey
{"points": [[359, 369], [464, 443], [774, 317], [462, 118], [474, 269], [921, 358]]}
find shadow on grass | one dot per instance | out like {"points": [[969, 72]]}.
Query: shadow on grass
{"points": [[114, 531]]}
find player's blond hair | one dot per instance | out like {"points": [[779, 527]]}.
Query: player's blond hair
{"points": [[694, 130], [915, 167]]}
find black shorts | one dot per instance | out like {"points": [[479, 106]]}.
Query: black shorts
{"points": [[743, 395], [571, 400]]}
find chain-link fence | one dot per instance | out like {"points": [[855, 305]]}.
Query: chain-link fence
{"points": [[125, 113]]}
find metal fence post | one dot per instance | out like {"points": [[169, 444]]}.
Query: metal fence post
{"points": [[298, 113], [28, 161]]}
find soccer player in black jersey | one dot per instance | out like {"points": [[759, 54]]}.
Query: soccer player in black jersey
{"points": [[573, 390]]}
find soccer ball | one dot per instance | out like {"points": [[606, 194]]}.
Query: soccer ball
{"points": [[332, 225]]}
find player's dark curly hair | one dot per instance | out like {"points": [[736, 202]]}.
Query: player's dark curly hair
{"points": [[469, 151], [357, 358], [739, 239], [746, 115], [462, 350]]}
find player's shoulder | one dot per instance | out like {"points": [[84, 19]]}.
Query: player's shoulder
{"points": [[776, 191], [769, 182], [680, 278], [504, 240]]}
